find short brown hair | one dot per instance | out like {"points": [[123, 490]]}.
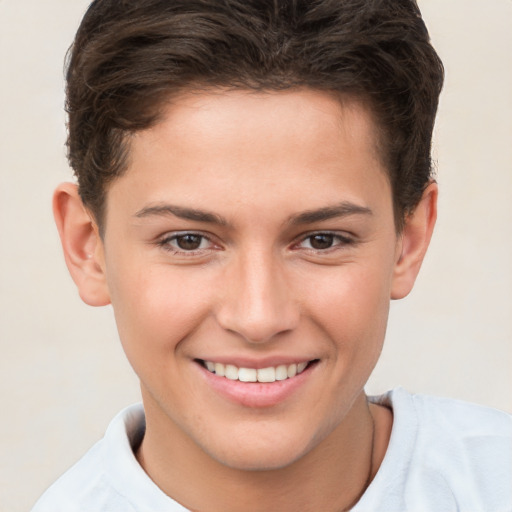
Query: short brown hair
{"points": [[130, 56]]}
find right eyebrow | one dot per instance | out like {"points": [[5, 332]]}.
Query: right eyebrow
{"points": [[343, 209], [181, 212]]}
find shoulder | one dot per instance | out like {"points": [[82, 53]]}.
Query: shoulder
{"points": [[88, 485], [446, 454], [446, 418], [463, 437], [458, 418], [469, 448], [83, 487], [109, 478]]}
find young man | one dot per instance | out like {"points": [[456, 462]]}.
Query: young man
{"points": [[254, 186]]}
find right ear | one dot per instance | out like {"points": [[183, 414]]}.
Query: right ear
{"points": [[82, 245]]}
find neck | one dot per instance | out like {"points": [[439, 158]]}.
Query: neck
{"points": [[330, 477]]}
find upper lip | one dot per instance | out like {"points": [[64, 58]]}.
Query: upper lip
{"points": [[266, 362]]}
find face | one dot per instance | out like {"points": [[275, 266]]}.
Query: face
{"points": [[252, 236]]}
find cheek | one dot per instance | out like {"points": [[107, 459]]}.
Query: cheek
{"points": [[353, 317], [352, 305], [155, 310]]}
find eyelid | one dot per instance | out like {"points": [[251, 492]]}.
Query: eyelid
{"points": [[343, 238], [164, 240]]}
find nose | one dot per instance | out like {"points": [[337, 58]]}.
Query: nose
{"points": [[257, 302]]}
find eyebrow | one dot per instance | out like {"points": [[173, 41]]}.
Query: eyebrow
{"points": [[343, 209], [182, 213]]}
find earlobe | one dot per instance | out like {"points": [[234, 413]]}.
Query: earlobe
{"points": [[82, 245], [415, 240]]}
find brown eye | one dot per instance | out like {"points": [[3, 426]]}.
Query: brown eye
{"points": [[321, 241], [189, 242]]}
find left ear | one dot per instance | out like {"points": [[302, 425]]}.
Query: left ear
{"points": [[414, 242], [82, 245]]}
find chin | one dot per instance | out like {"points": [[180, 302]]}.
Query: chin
{"points": [[261, 451], [271, 460]]}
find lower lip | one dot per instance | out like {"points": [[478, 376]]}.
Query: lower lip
{"points": [[257, 394]]}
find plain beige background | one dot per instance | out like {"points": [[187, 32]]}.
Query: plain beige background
{"points": [[63, 374]]}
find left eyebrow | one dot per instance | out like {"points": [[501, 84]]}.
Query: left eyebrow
{"points": [[343, 209], [182, 213]]}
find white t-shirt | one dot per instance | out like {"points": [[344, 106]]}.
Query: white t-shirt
{"points": [[444, 455]]}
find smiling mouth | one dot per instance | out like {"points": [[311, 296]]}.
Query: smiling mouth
{"points": [[267, 375]]}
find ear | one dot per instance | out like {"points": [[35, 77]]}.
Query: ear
{"points": [[414, 241], [82, 245]]}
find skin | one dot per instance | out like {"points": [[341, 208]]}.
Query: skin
{"points": [[257, 290]]}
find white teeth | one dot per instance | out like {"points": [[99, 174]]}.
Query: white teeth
{"points": [[301, 367], [292, 371], [270, 374], [281, 372], [267, 374], [219, 369], [231, 372], [247, 375]]}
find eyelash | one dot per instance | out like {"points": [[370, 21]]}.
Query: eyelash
{"points": [[338, 241], [166, 241]]}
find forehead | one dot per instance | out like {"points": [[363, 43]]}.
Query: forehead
{"points": [[241, 115], [218, 148]]}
